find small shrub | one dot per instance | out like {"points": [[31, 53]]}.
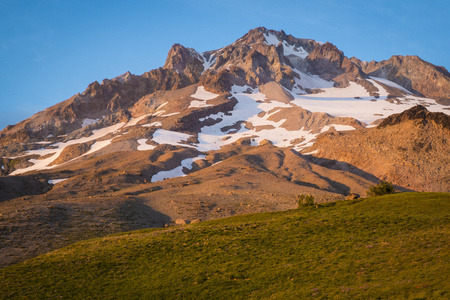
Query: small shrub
{"points": [[380, 189], [305, 200]]}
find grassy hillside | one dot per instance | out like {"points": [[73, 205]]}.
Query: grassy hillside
{"points": [[394, 246]]}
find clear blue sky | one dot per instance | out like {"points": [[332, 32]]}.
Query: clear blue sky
{"points": [[52, 49]]}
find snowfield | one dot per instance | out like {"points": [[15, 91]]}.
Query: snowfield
{"points": [[252, 118], [57, 148], [341, 102]]}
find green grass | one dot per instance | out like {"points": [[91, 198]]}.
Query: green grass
{"points": [[389, 247]]}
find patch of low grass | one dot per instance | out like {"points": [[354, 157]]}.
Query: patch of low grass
{"points": [[394, 246]]}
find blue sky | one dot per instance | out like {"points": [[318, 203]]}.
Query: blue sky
{"points": [[52, 49]]}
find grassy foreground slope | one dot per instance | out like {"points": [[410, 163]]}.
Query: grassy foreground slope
{"points": [[395, 246]]}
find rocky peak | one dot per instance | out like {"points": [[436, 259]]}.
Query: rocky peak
{"points": [[327, 51], [274, 37], [256, 58], [420, 115], [414, 74], [330, 63], [254, 36], [185, 60]]}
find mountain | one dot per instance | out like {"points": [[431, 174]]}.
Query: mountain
{"points": [[241, 129], [410, 149]]}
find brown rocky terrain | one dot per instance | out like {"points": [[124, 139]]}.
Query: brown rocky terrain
{"points": [[410, 149], [100, 199], [412, 73], [106, 99]]}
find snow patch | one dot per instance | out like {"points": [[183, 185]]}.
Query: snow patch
{"points": [[162, 136], [208, 63], [55, 181], [311, 153], [143, 146], [154, 124], [43, 143], [178, 171], [390, 83], [87, 122], [57, 148], [271, 39], [97, 146], [171, 114], [198, 104], [134, 121], [162, 105], [202, 94], [292, 50], [308, 81], [337, 127]]}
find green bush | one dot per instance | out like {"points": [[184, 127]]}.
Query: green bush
{"points": [[305, 200], [380, 189]]}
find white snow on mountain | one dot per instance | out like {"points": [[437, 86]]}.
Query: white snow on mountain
{"points": [[143, 146], [291, 50], [87, 122], [171, 114], [57, 148], [208, 63], [232, 127], [178, 171], [341, 102], [203, 94], [271, 39], [198, 103], [154, 124], [162, 136], [97, 146], [134, 121], [55, 181], [311, 82], [390, 83]]}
